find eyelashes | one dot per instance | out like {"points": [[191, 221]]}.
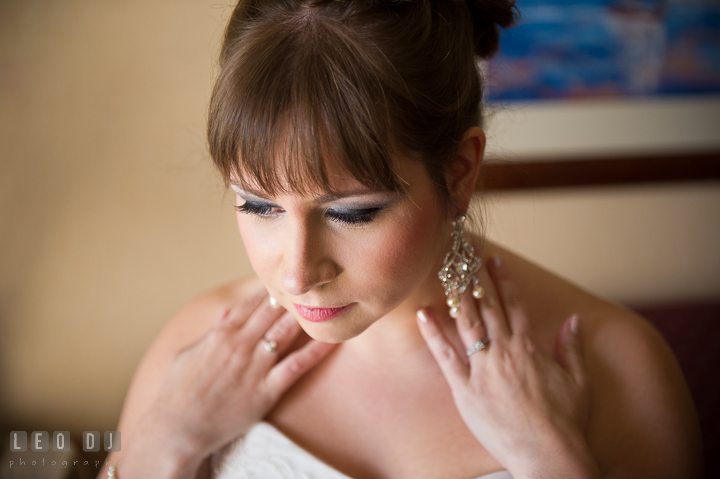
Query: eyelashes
{"points": [[352, 217], [257, 209]]}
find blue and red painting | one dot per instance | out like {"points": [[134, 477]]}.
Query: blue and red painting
{"points": [[601, 48]]}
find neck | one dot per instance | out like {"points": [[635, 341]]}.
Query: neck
{"points": [[396, 333]]}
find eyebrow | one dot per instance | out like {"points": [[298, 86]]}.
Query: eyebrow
{"points": [[322, 199]]}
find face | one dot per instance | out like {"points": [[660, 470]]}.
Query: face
{"points": [[340, 263]]}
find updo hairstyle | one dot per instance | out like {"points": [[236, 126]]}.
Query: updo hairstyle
{"points": [[304, 82]]}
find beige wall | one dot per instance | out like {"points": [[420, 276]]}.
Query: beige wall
{"points": [[110, 214], [605, 127], [111, 217], [636, 245]]}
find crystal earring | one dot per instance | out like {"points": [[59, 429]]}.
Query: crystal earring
{"points": [[459, 268]]}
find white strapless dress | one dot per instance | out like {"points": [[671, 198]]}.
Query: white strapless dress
{"points": [[266, 453]]}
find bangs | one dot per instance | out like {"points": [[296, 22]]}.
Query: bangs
{"points": [[297, 99]]}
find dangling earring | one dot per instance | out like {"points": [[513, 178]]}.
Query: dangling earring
{"points": [[459, 268]]}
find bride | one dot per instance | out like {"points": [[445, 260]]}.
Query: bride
{"points": [[380, 338]]}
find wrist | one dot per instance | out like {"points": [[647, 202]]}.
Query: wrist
{"points": [[162, 464], [159, 452], [558, 455]]}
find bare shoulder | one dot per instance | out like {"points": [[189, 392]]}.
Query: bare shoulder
{"points": [[183, 329], [643, 422]]}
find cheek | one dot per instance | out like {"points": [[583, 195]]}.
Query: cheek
{"points": [[259, 247], [401, 256], [407, 248]]}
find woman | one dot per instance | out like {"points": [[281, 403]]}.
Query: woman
{"points": [[349, 132]]}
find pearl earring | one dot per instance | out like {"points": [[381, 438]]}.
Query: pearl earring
{"points": [[459, 268]]}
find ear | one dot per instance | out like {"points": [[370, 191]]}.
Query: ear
{"points": [[465, 169]]}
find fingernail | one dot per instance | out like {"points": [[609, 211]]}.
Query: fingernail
{"points": [[575, 324], [422, 316], [222, 315], [496, 260], [273, 302]]}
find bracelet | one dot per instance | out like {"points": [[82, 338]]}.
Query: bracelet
{"points": [[111, 472]]}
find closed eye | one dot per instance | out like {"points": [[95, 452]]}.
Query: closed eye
{"points": [[258, 209], [353, 217]]}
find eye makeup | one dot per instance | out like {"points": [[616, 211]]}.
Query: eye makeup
{"points": [[351, 210], [353, 216], [255, 208]]}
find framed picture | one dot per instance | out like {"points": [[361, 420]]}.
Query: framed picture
{"points": [[600, 92]]}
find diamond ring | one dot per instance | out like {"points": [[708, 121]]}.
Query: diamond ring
{"points": [[479, 346]]}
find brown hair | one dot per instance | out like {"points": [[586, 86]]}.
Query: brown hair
{"points": [[302, 81]]}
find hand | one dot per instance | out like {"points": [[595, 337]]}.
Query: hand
{"points": [[528, 410], [218, 387]]}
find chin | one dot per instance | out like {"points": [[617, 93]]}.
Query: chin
{"points": [[331, 331]]}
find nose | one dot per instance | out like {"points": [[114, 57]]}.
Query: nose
{"points": [[306, 263]]}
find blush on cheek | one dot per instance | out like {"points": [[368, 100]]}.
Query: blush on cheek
{"points": [[399, 255], [398, 259]]}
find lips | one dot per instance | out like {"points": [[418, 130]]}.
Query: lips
{"points": [[318, 315]]}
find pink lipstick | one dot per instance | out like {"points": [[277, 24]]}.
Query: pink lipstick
{"points": [[318, 315]]}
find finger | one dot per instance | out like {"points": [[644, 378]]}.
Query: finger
{"points": [[278, 338], [260, 321], [452, 367], [283, 331], [509, 299], [220, 317], [239, 313], [569, 348], [285, 373], [469, 323], [490, 309]]}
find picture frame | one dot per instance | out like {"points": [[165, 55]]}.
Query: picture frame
{"points": [[593, 142]]}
